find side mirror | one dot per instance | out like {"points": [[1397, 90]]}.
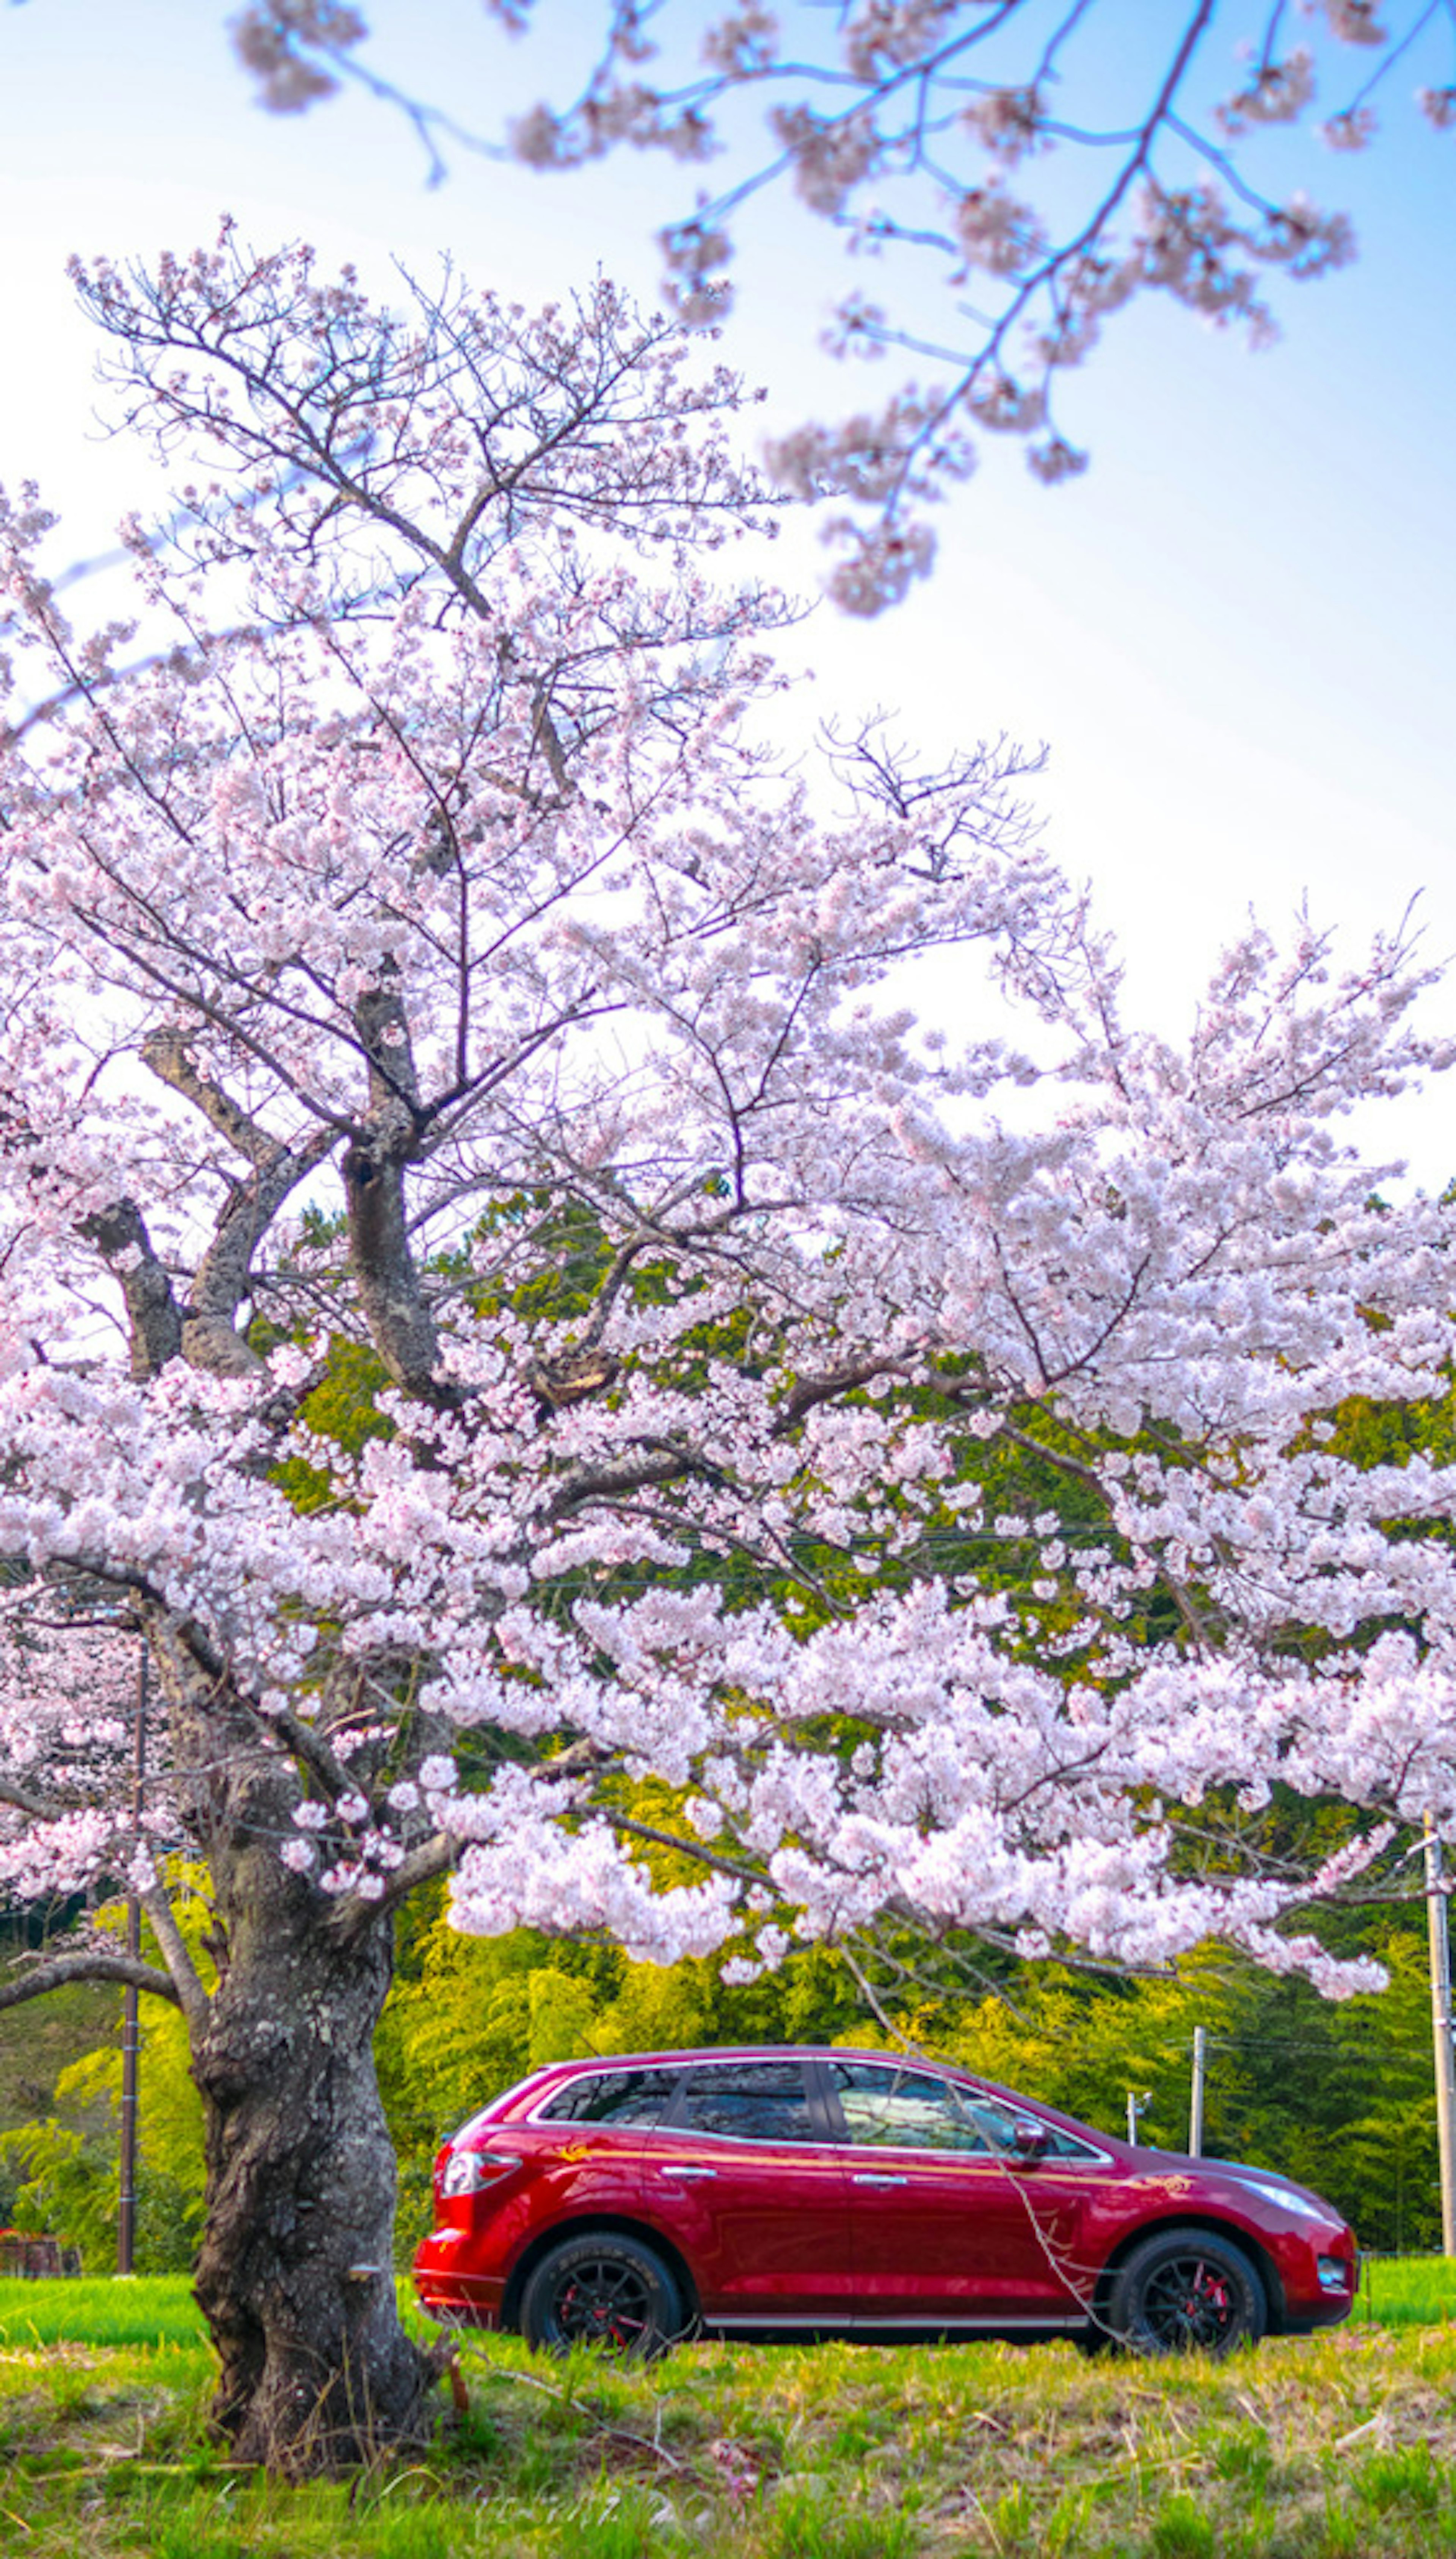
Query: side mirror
{"points": [[1029, 2141]]}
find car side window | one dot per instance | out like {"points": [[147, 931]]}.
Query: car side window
{"points": [[888, 2108], [611, 2097], [1066, 2146], [740, 2101], [996, 2121]]}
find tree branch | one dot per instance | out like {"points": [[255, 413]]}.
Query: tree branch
{"points": [[210, 1338], [154, 1321], [434, 1857], [192, 1997], [89, 1968], [41, 1808]]}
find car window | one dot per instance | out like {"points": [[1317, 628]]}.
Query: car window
{"points": [[762, 2101], [905, 2110], [611, 2097], [1066, 2146], [998, 2122]]}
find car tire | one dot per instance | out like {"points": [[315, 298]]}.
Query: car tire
{"points": [[601, 2288], [1186, 2291]]}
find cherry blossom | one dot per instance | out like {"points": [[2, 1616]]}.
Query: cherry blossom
{"points": [[1142, 153], [510, 1314]]}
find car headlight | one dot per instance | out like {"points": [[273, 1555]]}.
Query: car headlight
{"points": [[470, 2172], [1289, 2200]]}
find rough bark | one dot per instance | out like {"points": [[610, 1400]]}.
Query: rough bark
{"points": [[401, 1327], [296, 2273], [295, 2276], [120, 1234], [210, 1336]]}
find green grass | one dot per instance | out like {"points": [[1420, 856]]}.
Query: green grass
{"points": [[1308, 2448], [100, 2310], [1408, 2292]]}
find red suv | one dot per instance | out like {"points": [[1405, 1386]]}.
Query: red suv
{"points": [[783, 2193]]}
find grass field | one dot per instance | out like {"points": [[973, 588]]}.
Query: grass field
{"points": [[1408, 2292], [1342, 2447]]}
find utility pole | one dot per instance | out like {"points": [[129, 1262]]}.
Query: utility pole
{"points": [[130, 2029], [1200, 2073], [1440, 1943]]}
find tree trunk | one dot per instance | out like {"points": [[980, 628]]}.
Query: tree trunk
{"points": [[296, 2271]]}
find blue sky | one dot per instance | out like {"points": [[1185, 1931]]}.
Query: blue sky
{"points": [[1235, 634]]}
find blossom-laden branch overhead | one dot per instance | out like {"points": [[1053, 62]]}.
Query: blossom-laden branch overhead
{"points": [[572, 1387], [1014, 172]]}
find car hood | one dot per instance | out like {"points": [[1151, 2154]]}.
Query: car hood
{"points": [[1238, 2172]]}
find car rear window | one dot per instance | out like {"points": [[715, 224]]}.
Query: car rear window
{"points": [[763, 2101], [904, 2110], [611, 2097]]}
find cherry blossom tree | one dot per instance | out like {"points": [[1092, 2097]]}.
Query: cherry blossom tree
{"points": [[505, 1307], [1040, 163]]}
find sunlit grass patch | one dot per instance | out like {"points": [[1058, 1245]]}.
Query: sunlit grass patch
{"points": [[1407, 2292], [1410, 2476], [1308, 2448], [100, 2310], [1181, 2530]]}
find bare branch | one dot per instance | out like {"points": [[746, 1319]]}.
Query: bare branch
{"points": [[55, 1974], [192, 1997], [209, 1337]]}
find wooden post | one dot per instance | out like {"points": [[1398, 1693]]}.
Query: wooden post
{"points": [[131, 2021], [1440, 1946], [1200, 2073]]}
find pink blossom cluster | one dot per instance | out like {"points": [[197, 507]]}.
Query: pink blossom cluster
{"points": [[899, 121], [506, 1302]]}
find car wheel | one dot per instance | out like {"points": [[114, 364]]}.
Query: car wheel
{"points": [[601, 2288], [1186, 2291]]}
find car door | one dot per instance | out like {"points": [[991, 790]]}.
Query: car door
{"points": [[743, 2178], [946, 2222]]}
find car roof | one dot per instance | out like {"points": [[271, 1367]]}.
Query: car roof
{"points": [[552, 2073]]}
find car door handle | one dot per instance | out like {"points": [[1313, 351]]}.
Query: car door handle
{"points": [[878, 2181], [673, 2170]]}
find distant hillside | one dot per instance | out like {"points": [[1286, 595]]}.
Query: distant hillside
{"points": [[37, 2041]]}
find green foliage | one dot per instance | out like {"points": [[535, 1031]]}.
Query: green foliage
{"points": [[819, 2527], [1336, 2093], [1407, 2478], [342, 1409], [63, 2167], [469, 2016], [68, 2183], [153, 2310], [1408, 2292]]}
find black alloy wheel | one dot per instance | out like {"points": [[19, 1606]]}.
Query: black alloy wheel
{"points": [[1186, 2292], [602, 2290]]}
